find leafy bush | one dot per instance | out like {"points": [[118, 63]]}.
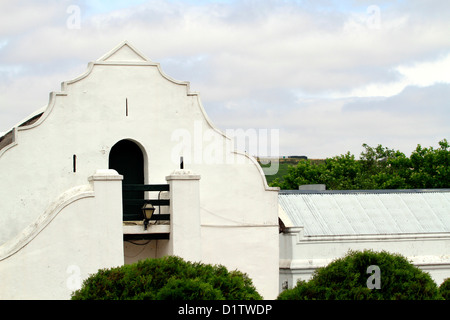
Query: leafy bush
{"points": [[347, 278], [444, 289], [168, 278]]}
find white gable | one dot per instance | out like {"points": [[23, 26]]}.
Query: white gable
{"points": [[123, 96], [124, 53]]}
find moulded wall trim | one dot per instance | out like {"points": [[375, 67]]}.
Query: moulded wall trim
{"points": [[12, 144], [29, 233], [52, 101]]}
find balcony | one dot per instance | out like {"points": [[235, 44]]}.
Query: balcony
{"points": [[134, 196]]}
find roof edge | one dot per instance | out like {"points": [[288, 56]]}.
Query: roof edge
{"points": [[373, 191]]}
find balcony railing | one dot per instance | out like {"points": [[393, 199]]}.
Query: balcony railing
{"points": [[133, 196]]}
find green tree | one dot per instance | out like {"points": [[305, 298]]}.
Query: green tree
{"points": [[168, 278], [304, 172], [347, 278], [430, 167], [378, 168], [381, 168], [341, 172]]}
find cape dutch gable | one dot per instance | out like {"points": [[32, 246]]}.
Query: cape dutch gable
{"points": [[62, 194]]}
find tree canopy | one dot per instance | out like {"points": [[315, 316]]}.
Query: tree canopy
{"points": [[378, 168]]}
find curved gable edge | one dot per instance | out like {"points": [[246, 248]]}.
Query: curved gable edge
{"points": [[45, 111], [35, 119], [260, 170], [8, 141], [243, 154]]}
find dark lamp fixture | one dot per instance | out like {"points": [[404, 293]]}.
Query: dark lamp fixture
{"points": [[147, 211]]}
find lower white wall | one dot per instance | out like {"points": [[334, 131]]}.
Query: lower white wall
{"points": [[301, 255], [82, 231], [252, 250], [249, 246], [135, 250], [79, 234]]}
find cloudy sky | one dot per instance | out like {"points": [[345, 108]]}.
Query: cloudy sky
{"points": [[328, 76]]}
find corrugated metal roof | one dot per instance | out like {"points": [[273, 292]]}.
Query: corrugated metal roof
{"points": [[367, 212]]}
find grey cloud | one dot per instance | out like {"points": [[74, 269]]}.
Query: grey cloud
{"points": [[247, 59], [21, 16], [433, 100]]}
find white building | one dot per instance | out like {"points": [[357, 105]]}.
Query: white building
{"points": [[74, 176], [62, 214], [320, 226]]}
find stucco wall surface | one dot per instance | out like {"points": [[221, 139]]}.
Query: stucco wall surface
{"points": [[124, 95]]}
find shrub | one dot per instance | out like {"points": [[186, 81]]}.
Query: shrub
{"points": [[346, 279], [168, 278], [444, 289]]}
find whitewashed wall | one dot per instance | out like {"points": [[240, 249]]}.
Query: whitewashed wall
{"points": [[79, 234], [301, 255], [238, 211]]}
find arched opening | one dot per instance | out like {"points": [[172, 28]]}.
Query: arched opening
{"points": [[127, 159]]}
